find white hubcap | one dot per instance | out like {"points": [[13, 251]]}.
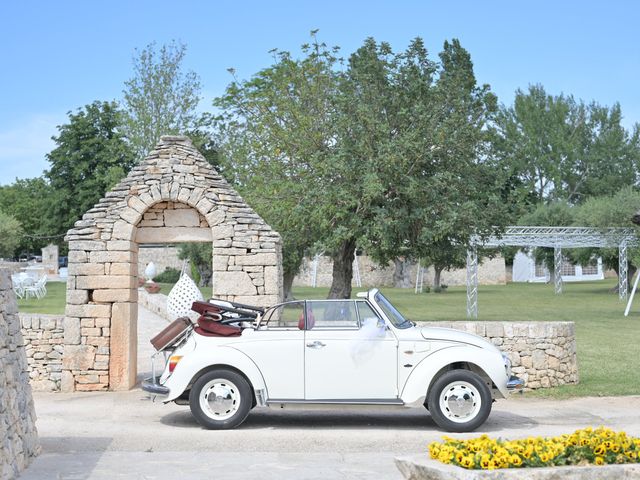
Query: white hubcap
{"points": [[460, 402], [220, 399]]}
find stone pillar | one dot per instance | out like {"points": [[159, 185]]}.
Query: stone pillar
{"points": [[50, 259], [18, 434]]}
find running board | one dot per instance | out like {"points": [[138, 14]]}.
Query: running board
{"points": [[392, 401]]}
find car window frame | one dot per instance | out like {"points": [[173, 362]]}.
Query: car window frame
{"points": [[317, 327]]}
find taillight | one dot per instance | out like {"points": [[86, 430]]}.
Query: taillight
{"points": [[173, 361]]}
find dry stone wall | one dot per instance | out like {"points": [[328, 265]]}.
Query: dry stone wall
{"points": [[543, 354], [490, 272], [44, 346], [18, 435], [173, 196]]}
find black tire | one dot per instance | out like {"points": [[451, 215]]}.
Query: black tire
{"points": [[231, 403], [474, 406]]}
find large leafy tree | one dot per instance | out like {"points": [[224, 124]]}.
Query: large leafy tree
{"points": [[376, 155], [160, 98], [29, 200], [563, 149], [91, 156]]}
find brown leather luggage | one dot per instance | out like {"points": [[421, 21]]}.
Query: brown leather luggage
{"points": [[170, 334]]}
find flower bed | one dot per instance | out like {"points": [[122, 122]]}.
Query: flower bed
{"points": [[588, 446]]}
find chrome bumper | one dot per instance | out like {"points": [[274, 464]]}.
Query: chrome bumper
{"points": [[515, 385], [151, 385]]}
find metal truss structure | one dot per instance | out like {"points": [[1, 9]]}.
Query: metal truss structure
{"points": [[556, 238]]}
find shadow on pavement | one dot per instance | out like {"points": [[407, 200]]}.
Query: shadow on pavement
{"points": [[262, 418], [60, 459]]}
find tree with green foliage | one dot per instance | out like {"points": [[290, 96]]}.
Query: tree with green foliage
{"points": [[29, 200], [91, 156], [562, 149], [609, 211], [200, 256], [276, 133], [383, 154], [160, 98], [10, 235]]}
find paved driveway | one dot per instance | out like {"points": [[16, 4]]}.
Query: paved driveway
{"points": [[124, 435]]}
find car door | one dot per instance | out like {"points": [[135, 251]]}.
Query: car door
{"points": [[277, 349], [350, 354]]}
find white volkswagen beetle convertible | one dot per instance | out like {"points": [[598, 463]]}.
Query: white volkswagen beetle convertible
{"points": [[326, 352]]}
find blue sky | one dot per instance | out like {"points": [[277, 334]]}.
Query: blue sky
{"points": [[59, 56]]}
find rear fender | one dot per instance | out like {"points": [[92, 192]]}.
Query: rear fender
{"points": [[200, 360], [488, 362]]}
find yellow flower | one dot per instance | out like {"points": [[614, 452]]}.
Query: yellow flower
{"points": [[600, 449], [467, 462], [544, 457], [599, 461], [485, 461], [444, 457], [515, 460]]}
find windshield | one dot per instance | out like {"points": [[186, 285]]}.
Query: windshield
{"points": [[392, 312]]}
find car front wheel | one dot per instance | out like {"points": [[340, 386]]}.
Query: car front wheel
{"points": [[459, 401], [220, 399]]}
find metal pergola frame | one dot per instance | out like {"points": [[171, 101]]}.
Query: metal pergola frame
{"points": [[556, 238]]}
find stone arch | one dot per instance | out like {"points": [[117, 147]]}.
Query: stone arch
{"points": [[174, 195]]}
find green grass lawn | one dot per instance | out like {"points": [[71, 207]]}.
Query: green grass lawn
{"points": [[608, 348]]}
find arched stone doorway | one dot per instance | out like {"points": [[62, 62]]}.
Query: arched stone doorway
{"points": [[173, 196]]}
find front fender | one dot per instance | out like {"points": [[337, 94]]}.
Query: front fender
{"points": [[201, 359], [415, 388]]}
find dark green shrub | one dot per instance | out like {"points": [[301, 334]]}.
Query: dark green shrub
{"points": [[170, 275]]}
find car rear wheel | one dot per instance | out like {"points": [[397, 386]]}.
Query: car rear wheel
{"points": [[220, 399], [459, 401]]}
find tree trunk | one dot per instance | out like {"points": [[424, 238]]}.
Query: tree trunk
{"points": [[342, 270], [401, 278], [436, 276], [287, 281]]}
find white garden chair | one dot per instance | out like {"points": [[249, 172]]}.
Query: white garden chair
{"points": [[18, 287], [38, 289]]}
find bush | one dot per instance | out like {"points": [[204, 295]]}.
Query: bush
{"points": [[170, 275]]}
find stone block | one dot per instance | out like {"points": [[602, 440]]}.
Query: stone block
{"points": [[233, 283], [77, 297], [181, 218], [258, 259], [87, 245], [137, 204], [123, 245], [86, 269], [494, 329], [215, 217], [71, 331], [222, 232], [272, 280], [105, 281], [122, 269], [173, 234], [131, 215], [123, 230], [78, 357], [122, 369], [115, 295], [77, 256], [113, 256]]}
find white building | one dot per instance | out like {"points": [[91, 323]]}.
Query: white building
{"points": [[525, 269]]}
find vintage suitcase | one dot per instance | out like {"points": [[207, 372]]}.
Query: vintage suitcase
{"points": [[171, 334]]}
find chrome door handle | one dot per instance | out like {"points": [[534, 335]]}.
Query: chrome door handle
{"points": [[316, 344]]}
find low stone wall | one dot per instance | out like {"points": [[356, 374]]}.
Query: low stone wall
{"points": [[543, 354], [18, 434], [44, 345], [155, 302]]}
